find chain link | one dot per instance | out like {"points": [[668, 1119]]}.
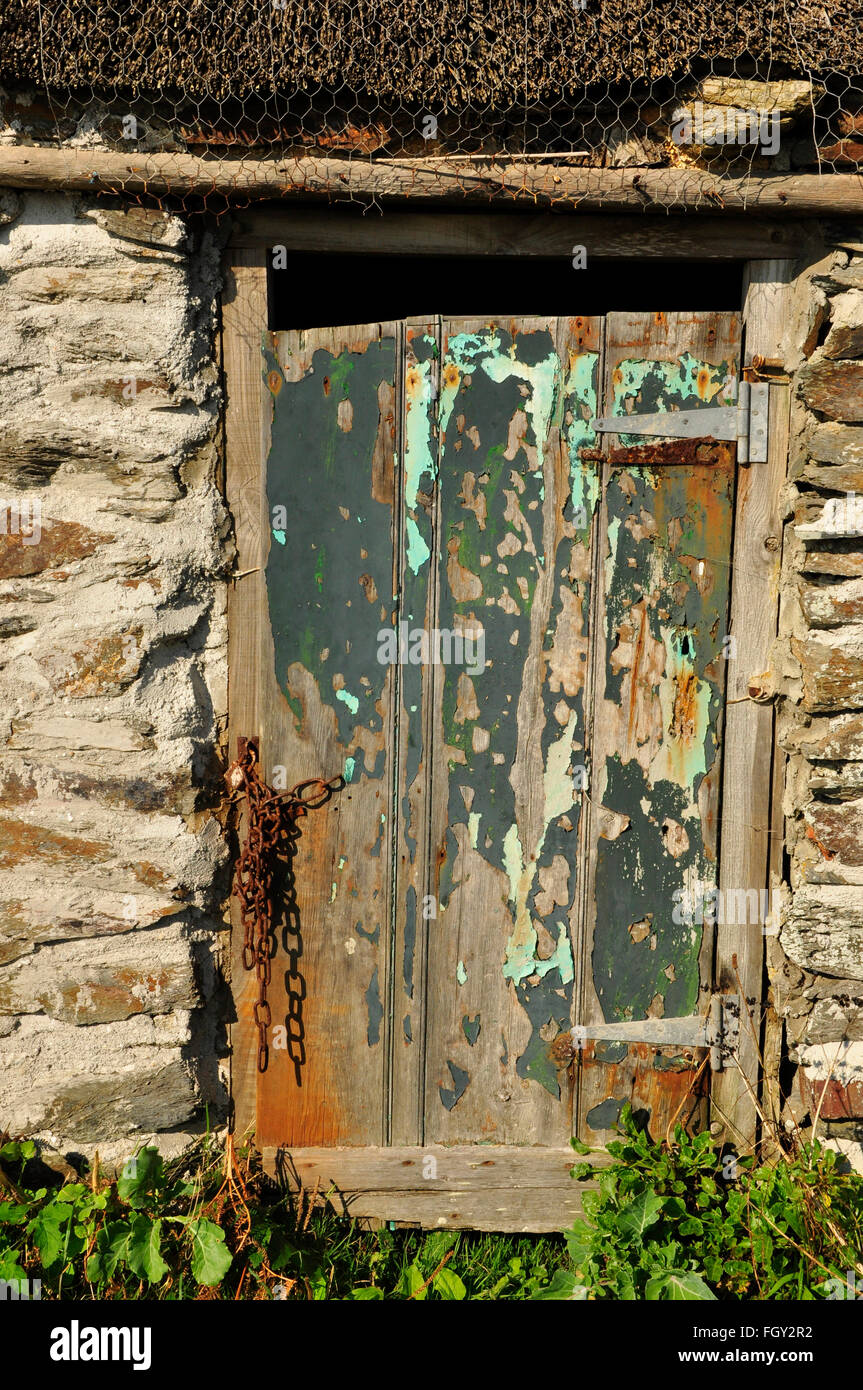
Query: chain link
{"points": [[271, 831]]}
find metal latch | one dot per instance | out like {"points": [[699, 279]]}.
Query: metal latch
{"points": [[719, 1031], [745, 422]]}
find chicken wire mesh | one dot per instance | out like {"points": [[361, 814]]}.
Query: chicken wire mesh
{"points": [[213, 104]]}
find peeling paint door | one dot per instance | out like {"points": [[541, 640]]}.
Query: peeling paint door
{"points": [[658, 679], [509, 642]]}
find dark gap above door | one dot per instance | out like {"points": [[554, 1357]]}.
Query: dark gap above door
{"points": [[318, 291]]}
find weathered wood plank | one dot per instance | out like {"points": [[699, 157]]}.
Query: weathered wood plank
{"points": [[327, 709], [414, 233], [749, 732], [514, 563], [419, 385], [475, 1187], [244, 317], [660, 618], [163, 174]]}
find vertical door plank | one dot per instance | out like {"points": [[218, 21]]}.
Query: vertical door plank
{"points": [[418, 444], [661, 616], [749, 736], [244, 322], [328, 710], [514, 568]]}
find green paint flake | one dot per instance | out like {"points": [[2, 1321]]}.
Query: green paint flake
{"points": [[471, 1027], [611, 557], [297, 711], [350, 766], [419, 458], [461, 973], [683, 384], [348, 699], [559, 796], [417, 550], [560, 960], [672, 761], [339, 373], [279, 536], [333, 891], [319, 567], [470, 351], [581, 395]]}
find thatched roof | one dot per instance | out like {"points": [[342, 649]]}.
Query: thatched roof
{"points": [[453, 52]]}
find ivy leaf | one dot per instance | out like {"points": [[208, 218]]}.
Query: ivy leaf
{"points": [[144, 1256], [643, 1212], [12, 1214], [448, 1286], [674, 1206], [9, 1266], [411, 1283], [211, 1258], [679, 1285], [281, 1251], [141, 1177], [579, 1147], [579, 1241], [366, 1294], [111, 1249], [17, 1150], [564, 1285], [690, 1227], [48, 1229]]}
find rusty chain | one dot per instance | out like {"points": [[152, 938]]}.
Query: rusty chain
{"points": [[271, 831]]}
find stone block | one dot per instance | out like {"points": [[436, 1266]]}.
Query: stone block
{"points": [[834, 389]]}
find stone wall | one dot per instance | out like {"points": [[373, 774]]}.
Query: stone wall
{"points": [[113, 674], [816, 965]]}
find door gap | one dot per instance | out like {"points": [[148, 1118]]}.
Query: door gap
{"points": [[327, 290]]}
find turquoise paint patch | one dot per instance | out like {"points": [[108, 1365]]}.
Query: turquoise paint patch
{"points": [[279, 536], [542, 377], [348, 699], [683, 384], [581, 395], [418, 454], [417, 550], [350, 766]]}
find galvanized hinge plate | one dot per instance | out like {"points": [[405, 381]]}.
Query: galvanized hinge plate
{"points": [[719, 1031], [745, 423]]}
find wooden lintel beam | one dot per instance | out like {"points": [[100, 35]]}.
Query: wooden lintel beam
{"points": [[393, 231], [436, 180]]}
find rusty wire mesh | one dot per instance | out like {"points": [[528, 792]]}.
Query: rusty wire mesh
{"points": [[463, 96]]}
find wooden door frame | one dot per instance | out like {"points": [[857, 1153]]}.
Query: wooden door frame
{"points": [[490, 1187]]}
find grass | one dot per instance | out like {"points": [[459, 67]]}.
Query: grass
{"points": [[212, 1225]]}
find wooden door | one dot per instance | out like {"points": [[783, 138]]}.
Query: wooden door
{"points": [[508, 639]]}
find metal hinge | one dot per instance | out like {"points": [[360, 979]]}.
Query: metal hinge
{"points": [[745, 422], [719, 1031]]}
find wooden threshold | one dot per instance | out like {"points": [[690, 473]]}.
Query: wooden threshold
{"points": [[475, 1187]]}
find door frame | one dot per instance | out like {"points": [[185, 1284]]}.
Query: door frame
{"points": [[392, 1183]]}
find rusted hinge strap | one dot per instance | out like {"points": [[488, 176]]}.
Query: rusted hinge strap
{"points": [[745, 423]]}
